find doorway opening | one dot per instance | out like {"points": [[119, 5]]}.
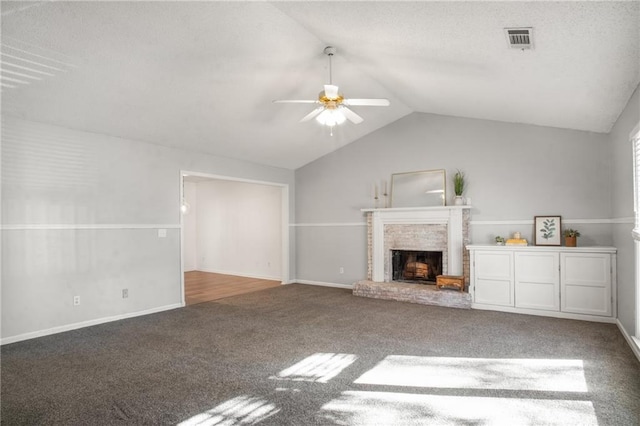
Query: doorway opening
{"points": [[234, 236]]}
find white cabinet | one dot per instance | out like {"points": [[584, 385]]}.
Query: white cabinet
{"points": [[553, 281], [586, 283], [537, 280], [494, 278]]}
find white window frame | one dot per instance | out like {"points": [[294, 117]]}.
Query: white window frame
{"points": [[635, 145]]}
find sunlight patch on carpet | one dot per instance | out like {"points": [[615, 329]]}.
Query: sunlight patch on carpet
{"points": [[319, 368], [243, 410], [556, 375], [366, 408]]}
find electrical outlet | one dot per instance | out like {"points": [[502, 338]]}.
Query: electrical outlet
{"points": [[342, 270], [125, 293], [76, 300], [162, 233]]}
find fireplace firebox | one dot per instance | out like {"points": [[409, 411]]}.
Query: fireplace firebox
{"points": [[416, 266]]}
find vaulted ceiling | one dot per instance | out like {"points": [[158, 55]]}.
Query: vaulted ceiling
{"points": [[203, 75]]}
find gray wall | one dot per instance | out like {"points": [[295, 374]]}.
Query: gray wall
{"points": [[80, 215], [622, 210], [58, 178], [514, 172]]}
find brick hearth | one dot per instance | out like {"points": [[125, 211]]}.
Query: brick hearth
{"points": [[413, 293]]}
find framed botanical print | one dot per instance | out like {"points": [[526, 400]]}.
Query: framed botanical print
{"points": [[547, 230]]}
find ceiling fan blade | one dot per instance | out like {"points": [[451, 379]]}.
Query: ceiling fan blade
{"points": [[293, 101], [312, 114], [351, 116], [331, 91], [367, 102]]}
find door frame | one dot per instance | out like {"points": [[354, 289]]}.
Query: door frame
{"points": [[284, 218]]}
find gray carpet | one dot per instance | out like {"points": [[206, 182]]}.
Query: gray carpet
{"points": [[304, 355]]}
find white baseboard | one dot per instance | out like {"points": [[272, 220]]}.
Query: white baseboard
{"points": [[542, 313], [75, 326], [632, 341], [240, 274], [323, 284]]}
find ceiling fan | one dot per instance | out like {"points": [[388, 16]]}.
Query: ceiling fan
{"points": [[333, 107]]}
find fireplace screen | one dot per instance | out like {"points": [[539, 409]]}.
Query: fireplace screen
{"points": [[416, 266]]}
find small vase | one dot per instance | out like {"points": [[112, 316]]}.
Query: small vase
{"points": [[458, 200], [570, 241]]}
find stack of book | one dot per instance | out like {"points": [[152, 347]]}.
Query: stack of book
{"points": [[516, 242]]}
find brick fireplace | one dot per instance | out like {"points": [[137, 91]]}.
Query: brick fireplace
{"points": [[443, 229], [420, 229]]}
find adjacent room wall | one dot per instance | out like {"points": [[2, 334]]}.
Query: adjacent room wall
{"points": [[239, 229], [514, 172], [81, 214], [622, 211]]}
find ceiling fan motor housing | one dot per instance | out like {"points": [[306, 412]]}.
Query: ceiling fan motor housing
{"points": [[330, 103]]}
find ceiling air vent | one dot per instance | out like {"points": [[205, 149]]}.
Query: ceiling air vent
{"points": [[520, 38]]}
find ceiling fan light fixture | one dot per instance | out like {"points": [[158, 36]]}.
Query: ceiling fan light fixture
{"points": [[331, 117]]}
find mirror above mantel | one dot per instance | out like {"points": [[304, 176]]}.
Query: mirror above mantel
{"points": [[425, 188]]}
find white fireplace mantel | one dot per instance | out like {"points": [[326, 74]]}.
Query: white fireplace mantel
{"points": [[417, 209], [448, 215]]}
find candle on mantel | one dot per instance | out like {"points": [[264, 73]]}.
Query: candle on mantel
{"points": [[375, 190], [384, 187]]}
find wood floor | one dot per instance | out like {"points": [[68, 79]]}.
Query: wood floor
{"points": [[206, 286]]}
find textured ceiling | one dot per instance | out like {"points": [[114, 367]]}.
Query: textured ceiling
{"points": [[202, 75]]}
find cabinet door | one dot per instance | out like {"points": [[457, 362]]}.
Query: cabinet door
{"points": [[537, 280], [586, 283], [493, 278]]}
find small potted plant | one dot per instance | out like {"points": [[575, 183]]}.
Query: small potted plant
{"points": [[458, 188], [499, 240], [571, 237]]}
